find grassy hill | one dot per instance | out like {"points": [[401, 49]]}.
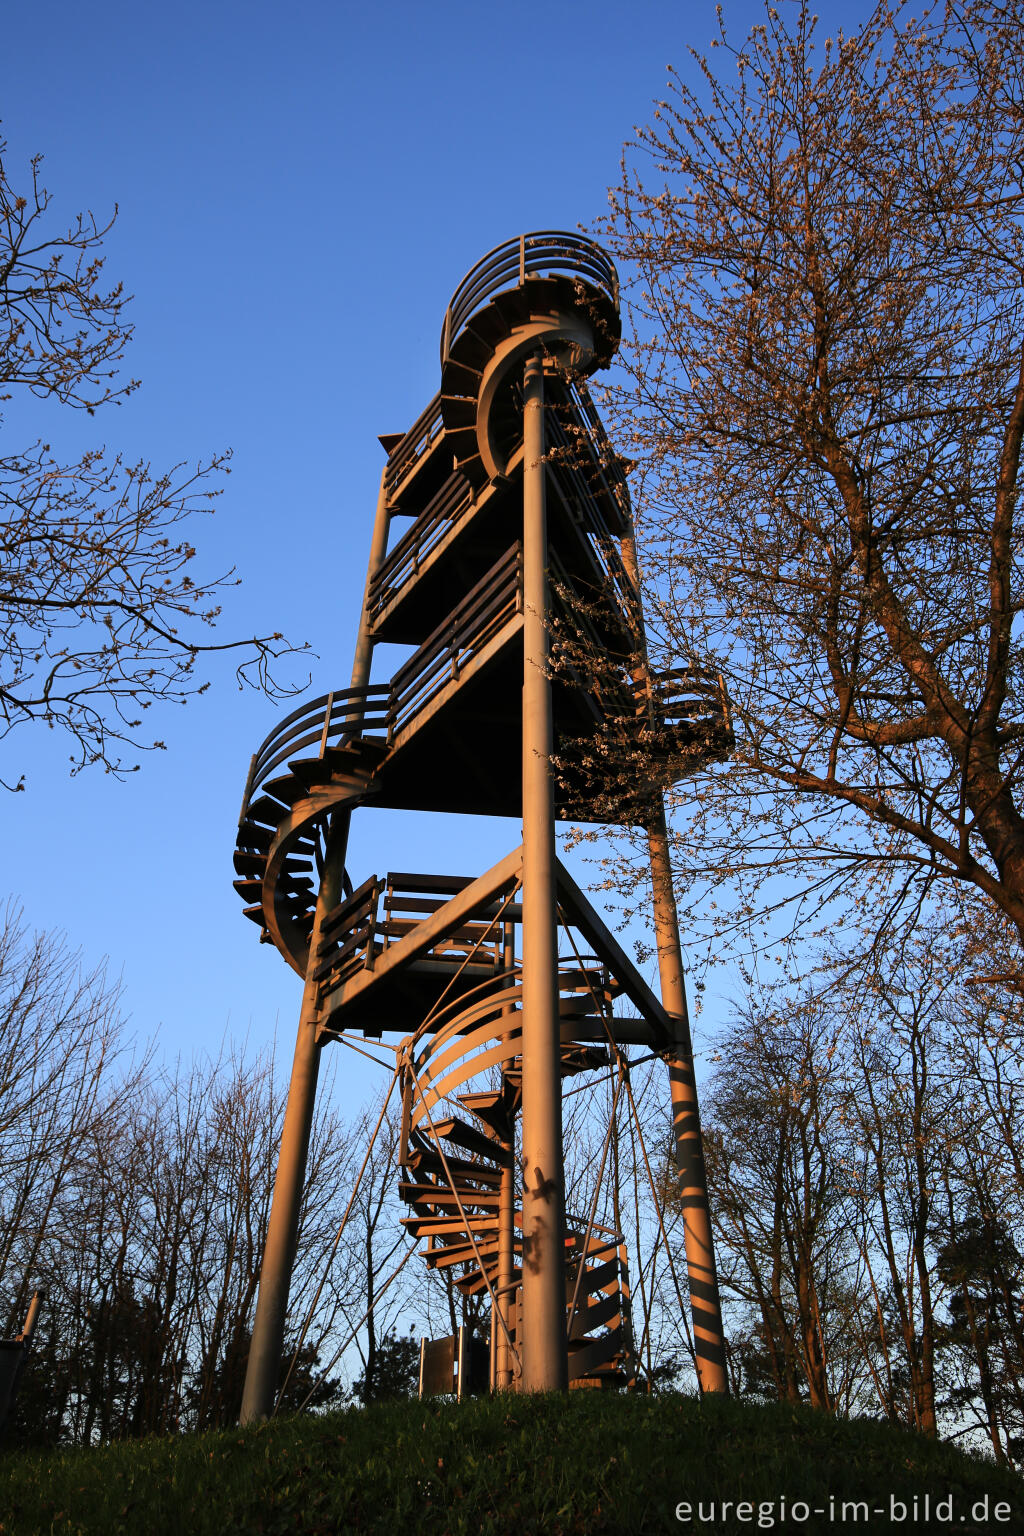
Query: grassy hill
{"points": [[592, 1464]]}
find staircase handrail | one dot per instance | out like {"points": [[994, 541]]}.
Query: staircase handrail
{"points": [[464, 631], [326, 721], [440, 513], [413, 445]]}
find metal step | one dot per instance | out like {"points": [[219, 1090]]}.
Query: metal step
{"points": [[442, 1195], [249, 865], [459, 413], [461, 378], [267, 810], [482, 1227], [471, 1140], [428, 1161], [489, 325], [446, 1256], [252, 835], [494, 1108], [286, 788], [312, 771]]}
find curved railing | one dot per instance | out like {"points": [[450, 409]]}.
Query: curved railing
{"points": [[482, 1029], [384, 709], [478, 1035], [547, 251], [322, 722], [692, 702]]}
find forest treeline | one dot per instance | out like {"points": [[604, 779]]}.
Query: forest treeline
{"points": [[135, 1195], [864, 1143]]}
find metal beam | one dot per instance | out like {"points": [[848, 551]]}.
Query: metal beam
{"points": [[426, 934], [591, 925]]}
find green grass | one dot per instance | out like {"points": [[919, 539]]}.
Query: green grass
{"points": [[594, 1463]]}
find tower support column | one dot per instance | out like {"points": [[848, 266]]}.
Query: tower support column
{"points": [[705, 1302], [702, 1274], [267, 1344], [545, 1365], [507, 1189]]}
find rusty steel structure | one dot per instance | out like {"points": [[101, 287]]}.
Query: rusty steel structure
{"points": [[502, 551]]}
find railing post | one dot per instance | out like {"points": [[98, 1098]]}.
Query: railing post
{"points": [[248, 787], [369, 956], [327, 723]]}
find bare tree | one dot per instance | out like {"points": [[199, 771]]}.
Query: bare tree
{"points": [[864, 1158], [826, 410], [780, 1201], [979, 1201], [61, 1053], [102, 611], [899, 1111], [370, 1276], [138, 1200]]}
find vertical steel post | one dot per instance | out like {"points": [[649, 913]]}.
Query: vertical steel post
{"points": [[378, 549], [506, 1264], [702, 1275], [506, 1222], [31, 1318], [267, 1344], [705, 1302], [13, 1355], [543, 1345]]}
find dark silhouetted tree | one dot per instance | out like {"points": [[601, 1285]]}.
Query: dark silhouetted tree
{"points": [[393, 1371]]}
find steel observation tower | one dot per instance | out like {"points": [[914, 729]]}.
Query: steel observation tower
{"points": [[502, 551]]}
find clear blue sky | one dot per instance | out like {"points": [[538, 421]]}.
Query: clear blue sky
{"points": [[300, 188]]}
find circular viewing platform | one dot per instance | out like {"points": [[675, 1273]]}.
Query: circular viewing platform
{"points": [[545, 253]]}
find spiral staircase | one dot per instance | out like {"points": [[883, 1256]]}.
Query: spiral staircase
{"points": [[438, 959]]}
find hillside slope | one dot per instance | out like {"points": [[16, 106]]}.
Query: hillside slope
{"points": [[593, 1464]]}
